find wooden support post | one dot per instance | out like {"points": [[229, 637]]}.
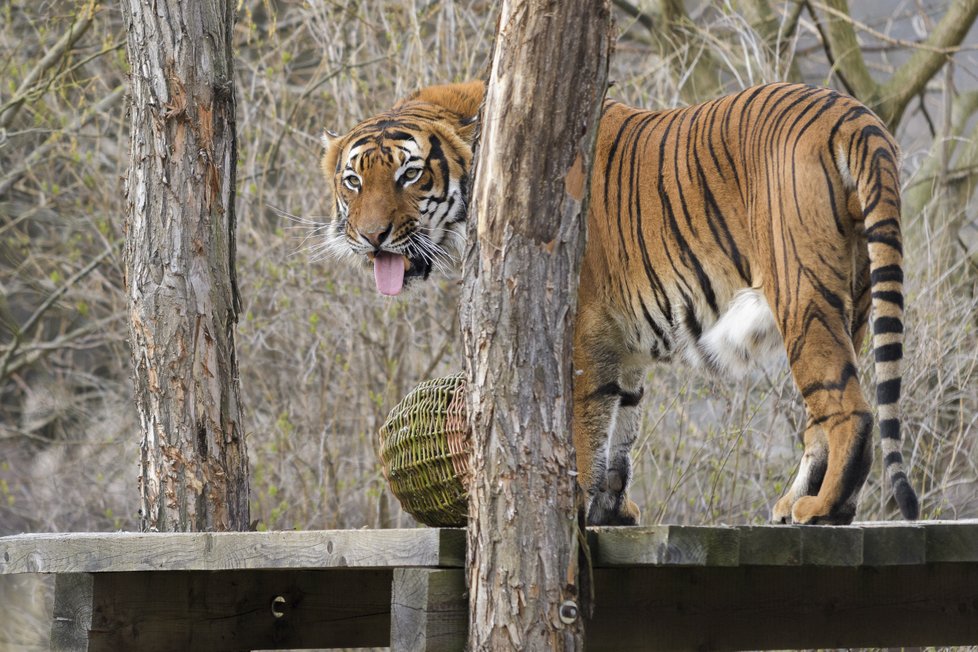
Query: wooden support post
{"points": [[72, 612], [429, 610]]}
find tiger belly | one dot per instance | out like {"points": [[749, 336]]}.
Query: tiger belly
{"points": [[745, 335]]}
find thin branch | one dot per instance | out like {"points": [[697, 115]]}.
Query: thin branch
{"points": [[9, 111], [46, 305], [910, 78], [7, 182], [842, 49], [773, 31], [927, 45], [640, 17], [919, 192]]}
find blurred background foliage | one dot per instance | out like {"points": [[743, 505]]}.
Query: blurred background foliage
{"points": [[323, 358]]}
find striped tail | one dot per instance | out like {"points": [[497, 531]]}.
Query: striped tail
{"points": [[872, 159]]}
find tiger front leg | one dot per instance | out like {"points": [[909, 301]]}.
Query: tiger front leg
{"points": [[603, 434], [604, 465]]}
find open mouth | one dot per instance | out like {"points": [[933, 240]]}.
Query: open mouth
{"points": [[391, 270]]}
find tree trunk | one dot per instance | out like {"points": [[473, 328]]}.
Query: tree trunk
{"points": [[549, 73], [180, 278]]}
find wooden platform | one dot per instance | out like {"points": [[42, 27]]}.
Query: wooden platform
{"points": [[667, 587]]}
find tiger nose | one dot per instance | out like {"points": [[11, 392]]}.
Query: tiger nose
{"points": [[376, 237]]}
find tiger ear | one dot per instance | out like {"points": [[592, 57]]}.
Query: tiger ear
{"points": [[468, 128], [328, 137]]}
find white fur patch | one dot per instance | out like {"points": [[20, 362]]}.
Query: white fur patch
{"points": [[744, 335], [842, 163]]}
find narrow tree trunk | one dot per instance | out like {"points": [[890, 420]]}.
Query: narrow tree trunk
{"points": [[183, 299], [549, 74]]}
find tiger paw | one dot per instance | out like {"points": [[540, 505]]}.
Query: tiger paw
{"points": [[781, 514], [628, 513], [619, 511], [812, 510]]}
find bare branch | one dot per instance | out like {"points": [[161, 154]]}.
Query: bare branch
{"points": [[640, 17], [7, 182], [842, 48], [890, 99], [923, 64], [920, 191], [27, 87], [775, 32], [46, 305]]}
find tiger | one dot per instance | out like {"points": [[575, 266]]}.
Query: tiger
{"points": [[762, 223]]}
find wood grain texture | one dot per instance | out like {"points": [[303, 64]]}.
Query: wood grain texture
{"points": [[668, 545], [662, 587], [861, 544], [429, 610], [126, 551], [72, 616], [865, 544], [233, 610], [730, 608]]}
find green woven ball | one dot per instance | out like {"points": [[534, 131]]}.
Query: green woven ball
{"points": [[424, 451]]}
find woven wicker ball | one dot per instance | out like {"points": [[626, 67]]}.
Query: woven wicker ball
{"points": [[424, 451]]}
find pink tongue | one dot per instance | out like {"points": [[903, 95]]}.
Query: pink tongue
{"points": [[389, 273]]}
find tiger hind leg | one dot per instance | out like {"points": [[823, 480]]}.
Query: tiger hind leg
{"points": [[811, 473], [826, 375]]}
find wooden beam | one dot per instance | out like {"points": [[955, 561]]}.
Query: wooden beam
{"points": [[729, 608], [129, 551], [429, 610], [656, 587], [863, 544], [240, 610]]}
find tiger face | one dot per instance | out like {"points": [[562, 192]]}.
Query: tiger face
{"points": [[400, 190]]}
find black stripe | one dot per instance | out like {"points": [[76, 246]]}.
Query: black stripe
{"points": [[892, 296], [896, 457], [890, 429], [888, 391], [892, 241], [858, 458], [882, 224], [631, 399], [848, 373], [887, 325], [886, 273], [889, 352], [625, 398]]}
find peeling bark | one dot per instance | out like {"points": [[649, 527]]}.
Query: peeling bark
{"points": [[180, 278], [549, 74]]}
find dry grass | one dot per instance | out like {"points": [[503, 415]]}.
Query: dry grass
{"points": [[322, 357]]}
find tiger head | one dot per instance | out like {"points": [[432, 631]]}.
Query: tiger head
{"points": [[400, 185]]}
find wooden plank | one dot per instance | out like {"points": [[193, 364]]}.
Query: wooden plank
{"points": [[72, 612], [429, 610], [894, 544], [727, 608], [770, 545], [238, 610], [671, 545], [831, 545], [951, 541], [129, 551]]}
